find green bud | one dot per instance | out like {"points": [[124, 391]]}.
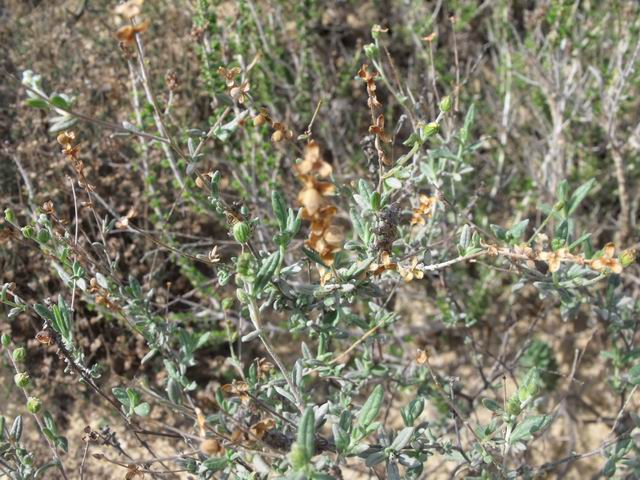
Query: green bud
{"points": [[9, 216], [430, 129], [19, 354], [27, 231], [513, 406], [445, 104], [376, 30], [43, 236], [370, 50], [241, 232], [557, 244], [34, 405], [6, 340], [244, 265], [628, 257], [227, 303], [21, 379]]}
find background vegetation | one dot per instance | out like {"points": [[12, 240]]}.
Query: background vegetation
{"points": [[319, 239]]}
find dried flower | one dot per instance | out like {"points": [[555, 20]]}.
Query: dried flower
{"points": [[378, 129], [430, 38], [45, 337], [229, 75], [371, 86], [425, 208], [313, 161], [414, 270], [311, 196], [129, 9], [281, 132], [384, 264], [239, 93], [607, 261], [47, 207], [263, 426], [123, 222], [127, 33], [422, 357], [238, 389]]}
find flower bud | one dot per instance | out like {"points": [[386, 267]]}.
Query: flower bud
{"points": [[6, 340], [445, 104], [628, 257], [430, 129], [27, 231], [34, 405], [19, 354], [21, 379], [43, 236], [370, 50], [241, 232], [9, 216]]}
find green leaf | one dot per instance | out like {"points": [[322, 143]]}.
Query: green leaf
{"points": [[142, 409], [214, 464], [16, 428], [266, 272], [579, 195], [44, 312], [59, 101], [530, 425], [62, 124], [306, 438], [491, 405], [518, 229], [401, 440], [563, 191], [634, 375], [121, 395], [499, 232], [279, 209], [609, 468], [37, 103], [370, 409], [313, 256], [393, 182], [134, 397]]}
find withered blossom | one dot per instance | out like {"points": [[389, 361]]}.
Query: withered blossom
{"points": [[424, 209], [129, 9], [313, 162], [127, 33], [229, 75], [607, 262]]}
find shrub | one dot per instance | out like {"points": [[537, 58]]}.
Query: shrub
{"points": [[327, 270]]}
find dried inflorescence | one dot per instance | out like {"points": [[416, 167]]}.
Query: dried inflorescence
{"points": [[324, 236], [377, 119], [72, 152], [604, 263]]}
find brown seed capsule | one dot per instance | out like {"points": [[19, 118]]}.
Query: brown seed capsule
{"points": [[277, 136], [259, 120], [210, 446]]}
